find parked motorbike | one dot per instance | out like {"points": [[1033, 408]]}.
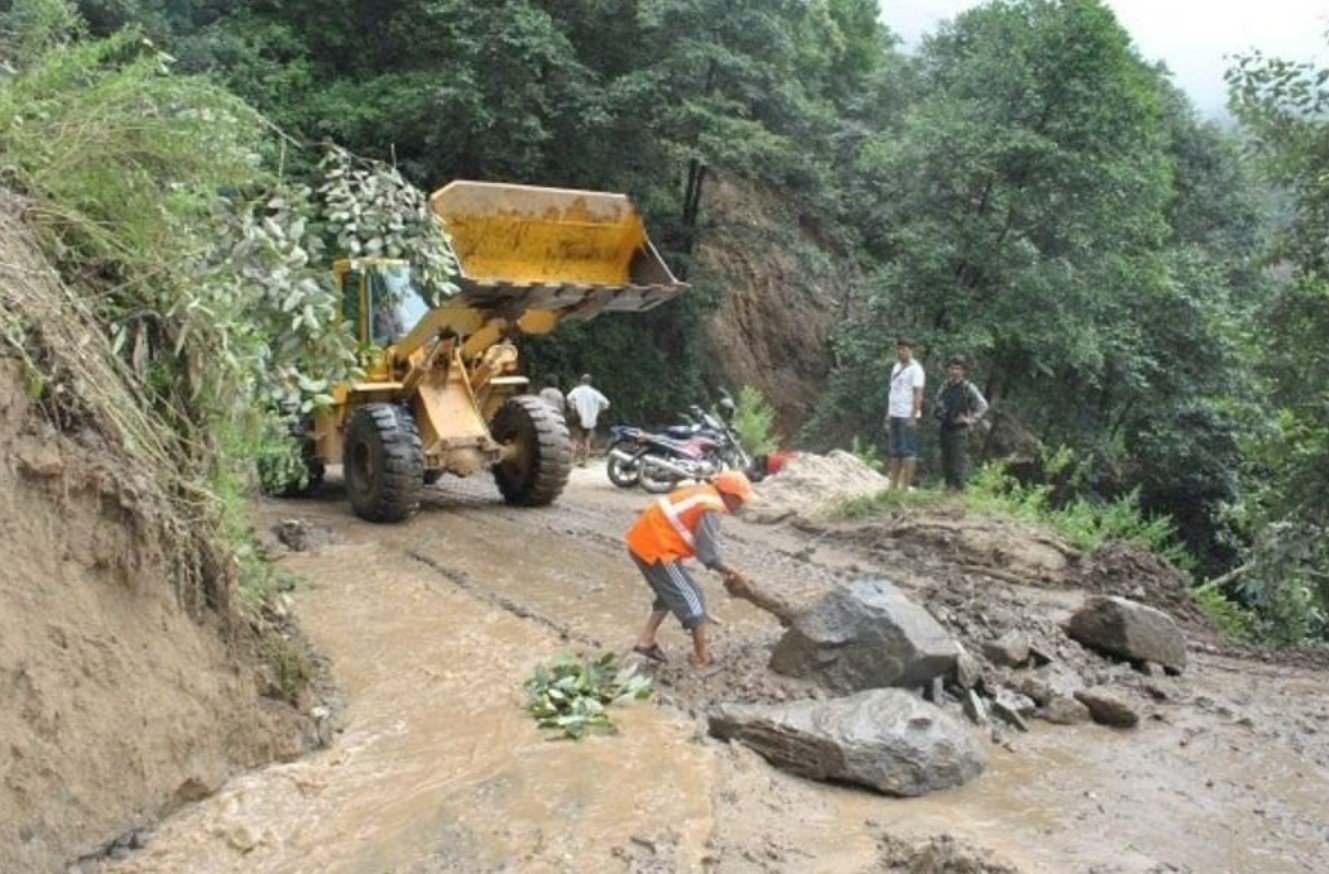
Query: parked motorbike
{"points": [[660, 460]]}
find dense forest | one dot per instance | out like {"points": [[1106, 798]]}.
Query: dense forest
{"points": [[1142, 288]]}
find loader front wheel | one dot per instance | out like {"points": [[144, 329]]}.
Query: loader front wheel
{"points": [[383, 463], [541, 459]]}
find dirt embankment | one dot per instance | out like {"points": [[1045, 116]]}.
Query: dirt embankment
{"points": [[116, 704]]}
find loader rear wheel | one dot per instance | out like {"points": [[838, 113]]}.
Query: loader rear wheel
{"points": [[383, 463], [538, 470]]}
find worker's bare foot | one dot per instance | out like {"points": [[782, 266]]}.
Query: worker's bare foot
{"points": [[701, 661]]}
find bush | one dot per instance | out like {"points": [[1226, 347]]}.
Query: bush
{"points": [[755, 422], [1229, 616], [1085, 522]]}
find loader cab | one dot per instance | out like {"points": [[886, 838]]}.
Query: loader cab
{"points": [[379, 300]]}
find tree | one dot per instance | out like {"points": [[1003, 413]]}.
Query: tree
{"points": [[1281, 106]]}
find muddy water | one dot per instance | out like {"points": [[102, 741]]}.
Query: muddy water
{"points": [[432, 625], [438, 767]]}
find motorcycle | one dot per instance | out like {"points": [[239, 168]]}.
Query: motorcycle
{"points": [[660, 460]]}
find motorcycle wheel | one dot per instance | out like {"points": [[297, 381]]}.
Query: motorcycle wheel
{"points": [[624, 474], [657, 485]]}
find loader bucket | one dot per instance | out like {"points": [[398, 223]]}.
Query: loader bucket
{"points": [[574, 252]]}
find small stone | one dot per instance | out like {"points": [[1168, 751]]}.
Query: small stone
{"points": [[1021, 704], [1064, 710], [1009, 650], [1040, 655], [937, 691], [1038, 689], [974, 707], [242, 837], [1007, 707], [1160, 690], [968, 672], [1107, 708]]}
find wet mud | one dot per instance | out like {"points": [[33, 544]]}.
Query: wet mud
{"points": [[430, 627]]}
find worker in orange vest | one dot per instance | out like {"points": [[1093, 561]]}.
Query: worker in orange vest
{"points": [[675, 527]]}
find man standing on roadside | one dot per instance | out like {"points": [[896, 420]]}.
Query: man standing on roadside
{"points": [[959, 405], [675, 527], [904, 409], [585, 403]]}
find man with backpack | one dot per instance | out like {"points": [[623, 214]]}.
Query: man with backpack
{"points": [[959, 405]]}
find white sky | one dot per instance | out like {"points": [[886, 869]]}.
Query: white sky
{"points": [[1190, 36]]}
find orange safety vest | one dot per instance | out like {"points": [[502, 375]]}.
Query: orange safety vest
{"points": [[664, 531]]}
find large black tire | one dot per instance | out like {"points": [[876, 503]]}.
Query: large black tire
{"points": [[383, 463], [621, 473], [537, 472]]}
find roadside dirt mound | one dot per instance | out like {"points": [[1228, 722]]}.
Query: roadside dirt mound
{"points": [[116, 704], [810, 486], [1133, 572]]}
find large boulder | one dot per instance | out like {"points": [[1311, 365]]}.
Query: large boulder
{"points": [[885, 739], [1129, 630], [865, 635]]}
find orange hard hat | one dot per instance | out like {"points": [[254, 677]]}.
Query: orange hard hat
{"points": [[732, 482]]}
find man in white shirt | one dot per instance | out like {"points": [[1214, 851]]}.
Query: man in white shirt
{"points": [[585, 404], [903, 412]]}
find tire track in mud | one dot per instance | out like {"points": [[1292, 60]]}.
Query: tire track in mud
{"points": [[466, 583]]}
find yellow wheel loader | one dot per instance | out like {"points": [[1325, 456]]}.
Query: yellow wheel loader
{"points": [[442, 391]]}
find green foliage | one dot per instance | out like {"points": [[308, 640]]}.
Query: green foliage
{"points": [[869, 454], [1050, 207], [755, 422], [571, 693], [197, 273], [372, 211], [887, 501], [30, 28], [1084, 521], [290, 666], [1231, 617], [1284, 514]]}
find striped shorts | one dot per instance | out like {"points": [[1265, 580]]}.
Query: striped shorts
{"points": [[675, 591]]}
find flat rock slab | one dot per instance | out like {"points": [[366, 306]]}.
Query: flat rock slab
{"points": [[885, 739], [1129, 630], [866, 635]]}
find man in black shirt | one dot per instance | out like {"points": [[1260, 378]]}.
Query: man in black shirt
{"points": [[959, 405]]}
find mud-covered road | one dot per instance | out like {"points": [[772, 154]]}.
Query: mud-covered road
{"points": [[430, 628]]}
